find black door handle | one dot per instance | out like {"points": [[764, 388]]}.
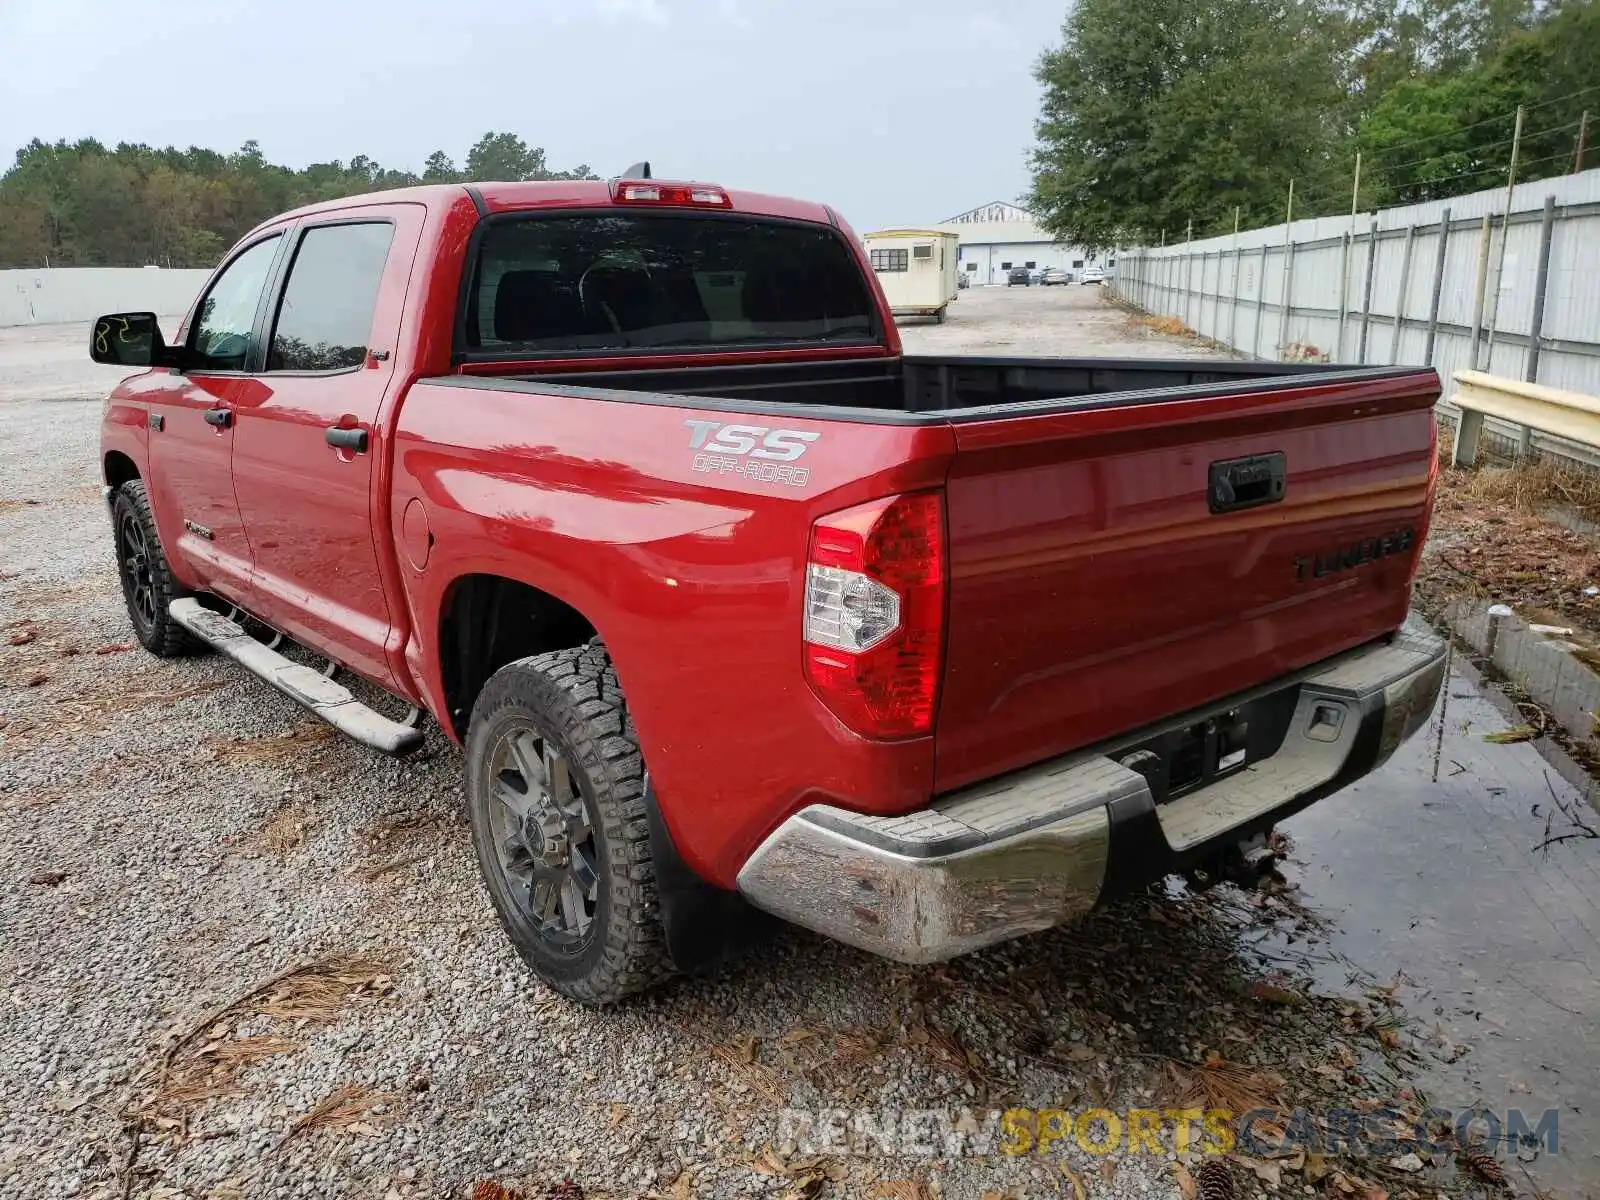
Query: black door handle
{"points": [[1237, 483], [220, 417], [346, 439]]}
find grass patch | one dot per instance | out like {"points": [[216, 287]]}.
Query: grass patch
{"points": [[1532, 487], [305, 740], [287, 828], [205, 1060], [1170, 326], [346, 1107]]}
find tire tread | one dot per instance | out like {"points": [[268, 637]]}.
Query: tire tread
{"points": [[167, 639], [578, 690]]}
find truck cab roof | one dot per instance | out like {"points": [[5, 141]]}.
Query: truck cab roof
{"points": [[514, 196]]}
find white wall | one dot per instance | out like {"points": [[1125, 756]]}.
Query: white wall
{"points": [[989, 258], [60, 294], [1232, 288]]}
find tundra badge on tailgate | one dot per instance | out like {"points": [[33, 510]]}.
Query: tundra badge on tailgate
{"points": [[733, 450], [1355, 554]]}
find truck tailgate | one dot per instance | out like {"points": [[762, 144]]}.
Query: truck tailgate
{"points": [[1116, 561]]}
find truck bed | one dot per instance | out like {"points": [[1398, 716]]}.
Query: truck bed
{"points": [[1097, 578], [927, 384]]}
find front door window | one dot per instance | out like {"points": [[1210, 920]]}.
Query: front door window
{"points": [[228, 313]]}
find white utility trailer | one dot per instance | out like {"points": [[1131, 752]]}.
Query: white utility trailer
{"points": [[917, 269]]}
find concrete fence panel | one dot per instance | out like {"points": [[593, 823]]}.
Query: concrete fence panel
{"points": [[61, 294], [1517, 295]]}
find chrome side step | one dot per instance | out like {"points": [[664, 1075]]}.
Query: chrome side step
{"points": [[305, 685]]}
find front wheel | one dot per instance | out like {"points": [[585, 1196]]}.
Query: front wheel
{"points": [[555, 790], [147, 583]]}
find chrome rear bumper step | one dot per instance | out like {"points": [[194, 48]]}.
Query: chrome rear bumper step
{"points": [[1044, 845], [304, 685]]}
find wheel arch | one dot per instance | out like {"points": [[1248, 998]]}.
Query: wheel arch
{"points": [[118, 469], [487, 620]]}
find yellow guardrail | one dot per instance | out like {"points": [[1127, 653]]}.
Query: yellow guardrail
{"points": [[1573, 416]]}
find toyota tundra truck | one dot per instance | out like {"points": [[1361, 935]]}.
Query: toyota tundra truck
{"points": [[738, 611]]}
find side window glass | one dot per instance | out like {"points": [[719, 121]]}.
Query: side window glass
{"points": [[228, 313], [325, 317]]}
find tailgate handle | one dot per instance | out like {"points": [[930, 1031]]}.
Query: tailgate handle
{"points": [[1238, 483]]}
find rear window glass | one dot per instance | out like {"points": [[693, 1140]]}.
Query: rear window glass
{"points": [[604, 281]]}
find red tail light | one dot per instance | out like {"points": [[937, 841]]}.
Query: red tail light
{"points": [[683, 195], [874, 620]]}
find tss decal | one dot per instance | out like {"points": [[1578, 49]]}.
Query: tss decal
{"points": [[733, 449], [779, 445]]}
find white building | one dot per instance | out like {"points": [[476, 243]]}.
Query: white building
{"points": [[996, 237]]}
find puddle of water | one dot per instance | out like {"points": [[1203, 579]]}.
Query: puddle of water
{"points": [[1498, 942]]}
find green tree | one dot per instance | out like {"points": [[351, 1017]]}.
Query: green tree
{"points": [[1168, 111], [25, 232], [1399, 41], [1457, 35], [1447, 131], [440, 169], [83, 204], [505, 156]]}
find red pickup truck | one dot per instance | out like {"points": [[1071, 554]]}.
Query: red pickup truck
{"points": [[734, 607]]}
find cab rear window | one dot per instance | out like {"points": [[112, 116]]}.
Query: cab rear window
{"points": [[553, 284]]}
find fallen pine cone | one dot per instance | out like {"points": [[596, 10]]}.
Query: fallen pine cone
{"points": [[1484, 1166], [1214, 1181], [567, 1190], [488, 1189]]}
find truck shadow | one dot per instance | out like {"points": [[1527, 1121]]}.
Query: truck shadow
{"points": [[1164, 998]]}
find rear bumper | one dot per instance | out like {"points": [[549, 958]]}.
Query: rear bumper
{"points": [[1039, 847]]}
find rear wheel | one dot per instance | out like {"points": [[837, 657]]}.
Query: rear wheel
{"points": [[147, 583], [555, 789]]}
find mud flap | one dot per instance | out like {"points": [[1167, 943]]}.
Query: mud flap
{"points": [[706, 927]]}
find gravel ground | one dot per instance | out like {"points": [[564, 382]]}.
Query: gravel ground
{"points": [[243, 957], [1063, 320]]}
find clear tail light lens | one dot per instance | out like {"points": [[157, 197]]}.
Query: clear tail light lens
{"points": [[847, 611], [874, 616]]}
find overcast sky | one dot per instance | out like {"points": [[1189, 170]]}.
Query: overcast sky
{"points": [[895, 111]]}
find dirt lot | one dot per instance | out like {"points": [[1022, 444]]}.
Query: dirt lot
{"points": [[1493, 538], [242, 957], [1065, 320]]}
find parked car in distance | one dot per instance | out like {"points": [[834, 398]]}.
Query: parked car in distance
{"points": [[1051, 276], [734, 607], [1092, 275], [1019, 275]]}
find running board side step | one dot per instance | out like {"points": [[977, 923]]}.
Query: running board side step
{"points": [[304, 685]]}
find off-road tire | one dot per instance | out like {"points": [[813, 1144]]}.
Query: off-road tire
{"points": [[572, 698], [152, 623]]}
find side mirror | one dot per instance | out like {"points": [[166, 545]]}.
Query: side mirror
{"points": [[129, 340]]}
